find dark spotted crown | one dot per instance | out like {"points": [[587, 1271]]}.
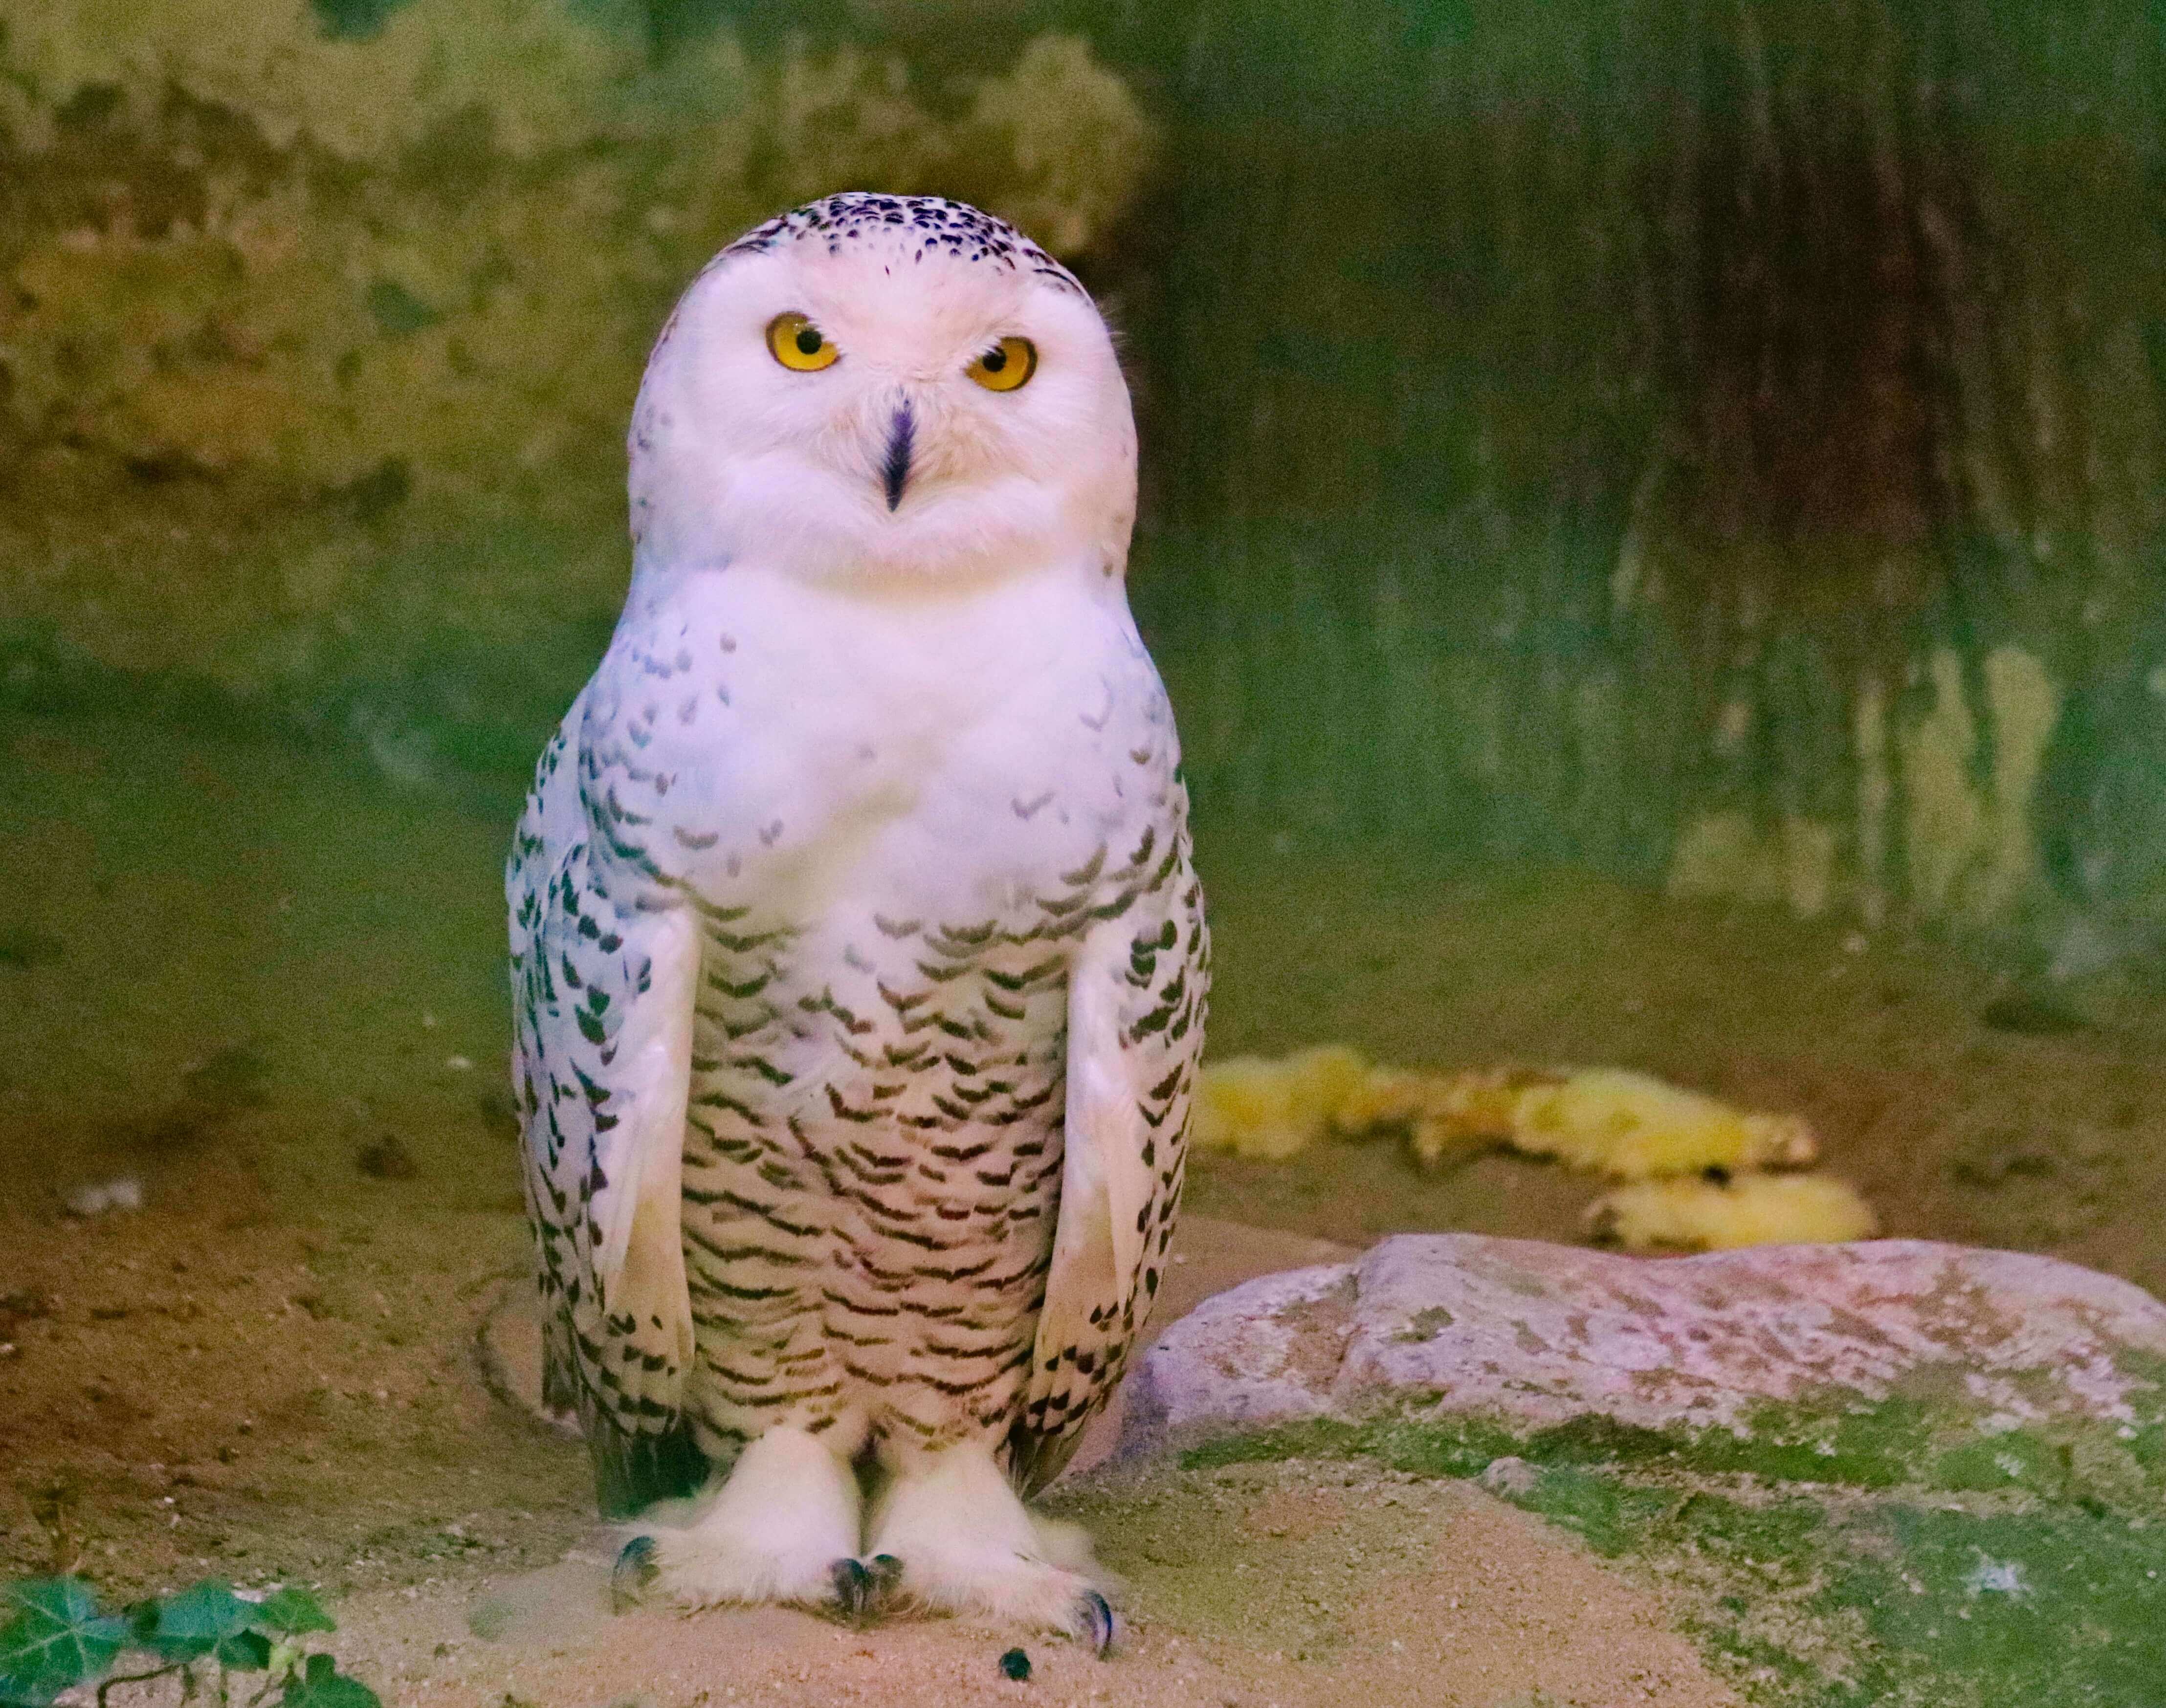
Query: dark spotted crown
{"points": [[932, 224]]}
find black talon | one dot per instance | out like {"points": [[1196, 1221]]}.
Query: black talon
{"points": [[1100, 1627], [853, 1588], [887, 1575], [634, 1570]]}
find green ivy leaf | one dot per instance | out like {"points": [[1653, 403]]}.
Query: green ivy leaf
{"points": [[142, 1618], [322, 1685], [54, 1637], [291, 1611], [245, 1652], [195, 1622]]}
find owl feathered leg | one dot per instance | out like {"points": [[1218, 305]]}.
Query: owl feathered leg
{"points": [[967, 1544], [775, 1530]]}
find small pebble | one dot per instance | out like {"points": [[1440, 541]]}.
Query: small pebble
{"points": [[1016, 1665], [1510, 1476], [125, 1192], [1996, 1577]]}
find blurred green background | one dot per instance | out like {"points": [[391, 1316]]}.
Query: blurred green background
{"points": [[1720, 446]]}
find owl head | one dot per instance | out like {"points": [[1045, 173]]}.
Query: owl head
{"points": [[883, 386]]}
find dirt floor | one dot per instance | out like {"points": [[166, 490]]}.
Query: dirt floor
{"points": [[1382, 1590], [268, 990]]}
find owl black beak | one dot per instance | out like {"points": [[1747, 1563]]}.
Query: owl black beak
{"points": [[895, 473]]}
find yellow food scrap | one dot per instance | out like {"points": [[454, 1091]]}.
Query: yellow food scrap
{"points": [[1267, 1110], [1634, 1126], [1447, 1116], [1239, 1100], [1607, 1120], [1325, 1078], [1702, 1215]]}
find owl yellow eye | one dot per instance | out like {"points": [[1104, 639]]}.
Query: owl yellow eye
{"points": [[798, 344], [1008, 365]]}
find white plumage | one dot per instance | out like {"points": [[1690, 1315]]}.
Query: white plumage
{"points": [[859, 965]]}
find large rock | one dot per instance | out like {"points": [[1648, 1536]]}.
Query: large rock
{"points": [[1530, 1335]]}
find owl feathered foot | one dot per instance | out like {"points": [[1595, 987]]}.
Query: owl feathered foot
{"points": [[965, 1543], [948, 1534], [783, 1526], [861, 1589]]}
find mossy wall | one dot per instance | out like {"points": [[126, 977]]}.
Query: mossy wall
{"points": [[1719, 445], [323, 323], [1722, 447]]}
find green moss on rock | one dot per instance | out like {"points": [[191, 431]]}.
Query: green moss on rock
{"points": [[1900, 1554]]}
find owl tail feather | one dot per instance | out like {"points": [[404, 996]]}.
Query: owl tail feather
{"points": [[633, 1468], [632, 1471]]}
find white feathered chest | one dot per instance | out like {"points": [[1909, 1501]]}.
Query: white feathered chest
{"points": [[878, 905]]}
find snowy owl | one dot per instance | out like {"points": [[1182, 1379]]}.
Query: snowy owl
{"points": [[858, 966]]}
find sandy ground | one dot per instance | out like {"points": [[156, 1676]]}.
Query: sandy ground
{"points": [[1366, 1590], [269, 990], [1283, 1584]]}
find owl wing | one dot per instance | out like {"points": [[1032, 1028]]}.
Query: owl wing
{"points": [[605, 974], [1137, 994]]}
